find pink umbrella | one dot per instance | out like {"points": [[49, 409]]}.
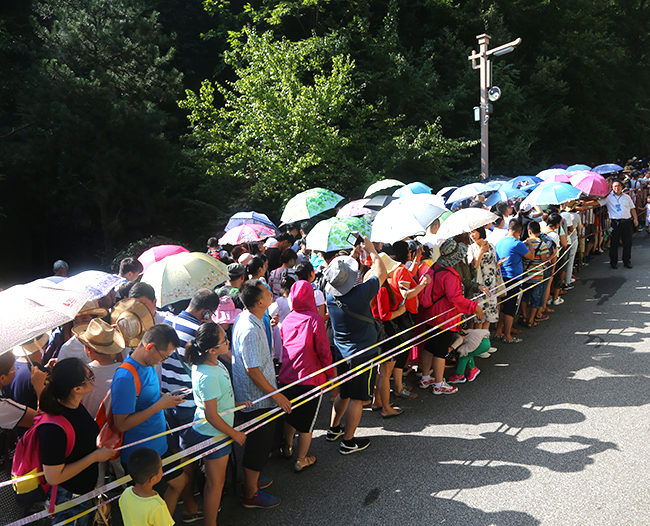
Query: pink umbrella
{"points": [[251, 233], [555, 175], [590, 183], [154, 254], [558, 178], [354, 209]]}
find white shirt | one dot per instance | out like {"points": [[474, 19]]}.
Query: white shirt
{"points": [[10, 413], [618, 206], [496, 235]]}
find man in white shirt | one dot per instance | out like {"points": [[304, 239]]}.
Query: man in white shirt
{"points": [[622, 213], [498, 232]]}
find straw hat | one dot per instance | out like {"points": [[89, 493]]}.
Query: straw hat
{"points": [[32, 346], [389, 262], [91, 308], [100, 336], [132, 318]]}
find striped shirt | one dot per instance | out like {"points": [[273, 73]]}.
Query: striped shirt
{"points": [[175, 373]]}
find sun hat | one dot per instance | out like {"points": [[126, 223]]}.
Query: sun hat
{"points": [[270, 242], [451, 253], [226, 311], [132, 318], [525, 207], [389, 262], [92, 308], [245, 258], [101, 337], [235, 271], [341, 275], [32, 346]]}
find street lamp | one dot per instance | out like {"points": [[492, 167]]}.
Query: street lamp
{"points": [[488, 92]]}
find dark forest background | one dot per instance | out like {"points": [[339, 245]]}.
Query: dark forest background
{"points": [[126, 119]]}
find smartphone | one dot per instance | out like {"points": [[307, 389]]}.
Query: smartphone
{"points": [[355, 239], [184, 391], [502, 260]]}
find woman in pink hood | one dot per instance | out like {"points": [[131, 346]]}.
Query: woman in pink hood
{"points": [[305, 350]]}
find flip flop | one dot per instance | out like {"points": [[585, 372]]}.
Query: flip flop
{"points": [[392, 415], [513, 340], [299, 467], [543, 317]]}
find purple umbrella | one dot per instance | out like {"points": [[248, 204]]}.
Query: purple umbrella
{"points": [[560, 166]]}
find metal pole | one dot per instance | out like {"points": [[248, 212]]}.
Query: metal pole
{"points": [[484, 41]]}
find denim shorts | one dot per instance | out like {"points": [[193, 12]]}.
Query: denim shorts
{"points": [[219, 453], [534, 296]]}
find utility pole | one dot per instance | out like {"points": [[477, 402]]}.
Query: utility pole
{"points": [[488, 92]]}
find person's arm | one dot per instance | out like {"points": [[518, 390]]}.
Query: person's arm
{"points": [[28, 418], [378, 267], [213, 418], [258, 378], [634, 214], [129, 421], [59, 474]]}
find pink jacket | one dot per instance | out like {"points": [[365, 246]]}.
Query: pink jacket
{"points": [[305, 347], [445, 285]]}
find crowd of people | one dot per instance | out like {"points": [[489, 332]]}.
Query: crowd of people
{"points": [[285, 324]]}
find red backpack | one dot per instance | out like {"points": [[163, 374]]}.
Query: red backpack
{"points": [[27, 461]]}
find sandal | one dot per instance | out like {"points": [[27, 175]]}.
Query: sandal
{"points": [[303, 463], [549, 311], [513, 340], [543, 317], [531, 324], [515, 331]]}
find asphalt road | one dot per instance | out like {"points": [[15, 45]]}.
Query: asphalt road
{"points": [[552, 432]]}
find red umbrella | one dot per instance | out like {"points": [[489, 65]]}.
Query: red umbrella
{"points": [[154, 254], [590, 183], [251, 233]]}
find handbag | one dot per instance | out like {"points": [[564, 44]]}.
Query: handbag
{"points": [[381, 331]]}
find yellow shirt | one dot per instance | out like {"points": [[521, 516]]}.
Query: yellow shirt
{"points": [[144, 511]]}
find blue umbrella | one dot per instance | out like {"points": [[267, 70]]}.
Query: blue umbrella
{"points": [[521, 181], [468, 191], [412, 188], [248, 218], [504, 195], [576, 167], [494, 185], [552, 194], [607, 168]]}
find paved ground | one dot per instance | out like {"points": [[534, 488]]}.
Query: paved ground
{"points": [[552, 432]]}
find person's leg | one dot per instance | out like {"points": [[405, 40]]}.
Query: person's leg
{"points": [[507, 326], [173, 492], [613, 246], [338, 410], [398, 377], [569, 267], [289, 433], [627, 232], [190, 505], [250, 482], [500, 324], [304, 441], [215, 476], [463, 361], [438, 369], [426, 359], [384, 387], [352, 418]]}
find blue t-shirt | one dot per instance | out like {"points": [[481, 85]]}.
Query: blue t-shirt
{"points": [[124, 403], [514, 250], [352, 334]]}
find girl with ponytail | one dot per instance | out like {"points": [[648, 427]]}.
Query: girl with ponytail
{"points": [[213, 393]]}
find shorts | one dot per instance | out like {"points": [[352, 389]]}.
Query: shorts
{"points": [[440, 343], [176, 417], [303, 418], [509, 306], [391, 330], [219, 453], [358, 387], [534, 296], [259, 443]]}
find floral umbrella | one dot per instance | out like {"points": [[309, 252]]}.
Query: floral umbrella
{"points": [[308, 204], [149, 257], [94, 282], [354, 209], [379, 186], [250, 233], [332, 234], [180, 276]]}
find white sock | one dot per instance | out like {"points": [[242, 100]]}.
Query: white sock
{"points": [[439, 384], [426, 378]]}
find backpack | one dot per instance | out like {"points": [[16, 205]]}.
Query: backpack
{"points": [[109, 437], [546, 239], [27, 461]]}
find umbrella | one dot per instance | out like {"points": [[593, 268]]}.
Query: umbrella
{"points": [[590, 183], [445, 216], [465, 220], [418, 199], [180, 276], [380, 201], [332, 234], [149, 257], [94, 282], [446, 191], [521, 181], [577, 167], [551, 172], [250, 233], [379, 186], [495, 185], [412, 188], [405, 217], [308, 204], [552, 194], [607, 168], [468, 192], [493, 178], [27, 311], [504, 195], [558, 178], [560, 166], [246, 218], [354, 209]]}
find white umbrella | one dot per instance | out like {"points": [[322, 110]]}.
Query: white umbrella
{"points": [[27, 311], [465, 220], [406, 217], [94, 282], [468, 192], [384, 184]]}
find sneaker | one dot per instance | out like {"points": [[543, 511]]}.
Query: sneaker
{"points": [[473, 373], [334, 433], [427, 383], [456, 379], [354, 445], [261, 500], [192, 517], [492, 350], [558, 301], [485, 354], [405, 394], [567, 287], [444, 388]]}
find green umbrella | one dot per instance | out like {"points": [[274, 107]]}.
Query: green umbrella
{"points": [[384, 184], [332, 234], [308, 204]]}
